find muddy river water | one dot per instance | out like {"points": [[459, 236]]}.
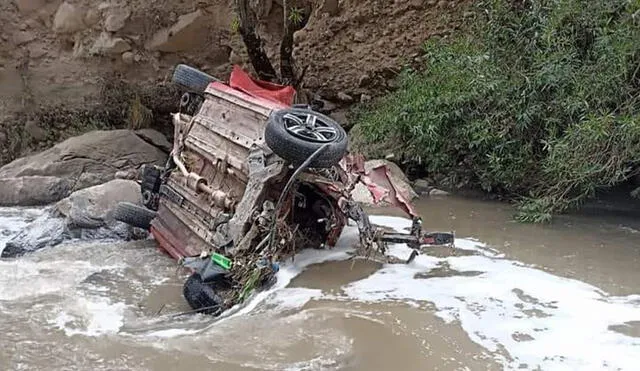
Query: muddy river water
{"points": [[508, 296]]}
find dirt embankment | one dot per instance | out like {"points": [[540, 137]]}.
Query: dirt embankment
{"points": [[71, 66]]}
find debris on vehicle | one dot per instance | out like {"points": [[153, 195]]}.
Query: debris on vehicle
{"points": [[252, 179]]}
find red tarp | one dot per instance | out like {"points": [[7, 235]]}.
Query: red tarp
{"points": [[277, 93]]}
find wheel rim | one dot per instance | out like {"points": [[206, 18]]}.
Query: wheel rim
{"points": [[309, 127]]}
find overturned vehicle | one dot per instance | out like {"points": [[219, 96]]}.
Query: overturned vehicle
{"points": [[251, 179]]}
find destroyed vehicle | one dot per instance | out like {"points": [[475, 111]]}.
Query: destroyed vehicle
{"points": [[252, 179]]}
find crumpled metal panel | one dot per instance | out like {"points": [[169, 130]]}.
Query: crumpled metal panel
{"points": [[379, 182]]}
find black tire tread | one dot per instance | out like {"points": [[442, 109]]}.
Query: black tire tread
{"points": [[202, 297], [134, 215], [191, 78], [296, 150]]}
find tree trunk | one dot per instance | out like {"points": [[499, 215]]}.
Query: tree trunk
{"points": [[287, 68], [255, 48]]}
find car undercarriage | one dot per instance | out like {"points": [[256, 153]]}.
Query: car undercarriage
{"points": [[252, 179]]}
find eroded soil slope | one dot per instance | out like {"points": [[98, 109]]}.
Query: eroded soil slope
{"points": [[62, 61]]}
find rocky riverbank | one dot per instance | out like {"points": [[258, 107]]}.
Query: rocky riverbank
{"points": [[76, 181], [77, 163]]}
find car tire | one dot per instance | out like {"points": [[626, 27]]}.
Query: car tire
{"points": [[202, 297], [191, 78], [295, 148], [134, 215]]}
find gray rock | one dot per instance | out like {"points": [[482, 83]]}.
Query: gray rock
{"points": [[28, 6], [116, 18], [235, 58], [91, 207], [340, 116], [365, 79], [23, 37], [422, 186], [43, 232], [126, 174], [156, 139], [77, 163], [331, 7], [106, 44], [37, 51], [327, 106], [68, 19], [438, 192], [92, 17], [344, 97], [33, 190], [300, 36], [86, 214], [128, 57], [35, 131]]}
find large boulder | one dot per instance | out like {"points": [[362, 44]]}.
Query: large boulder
{"points": [[91, 207], [33, 190], [77, 163], [86, 214]]}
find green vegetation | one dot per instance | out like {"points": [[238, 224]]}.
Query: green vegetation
{"points": [[539, 102]]}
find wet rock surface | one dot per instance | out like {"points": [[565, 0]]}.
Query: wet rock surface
{"points": [[86, 214], [77, 163], [43, 232], [91, 207]]}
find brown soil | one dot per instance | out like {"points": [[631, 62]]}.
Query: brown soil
{"points": [[361, 50], [68, 67]]}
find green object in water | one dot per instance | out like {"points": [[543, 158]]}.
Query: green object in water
{"points": [[250, 285], [221, 260]]}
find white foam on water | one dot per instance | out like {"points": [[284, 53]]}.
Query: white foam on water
{"points": [[290, 269], [172, 333], [21, 278], [279, 295], [293, 297], [90, 316], [540, 319]]}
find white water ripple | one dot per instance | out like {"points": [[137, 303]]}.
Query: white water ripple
{"points": [[540, 319]]}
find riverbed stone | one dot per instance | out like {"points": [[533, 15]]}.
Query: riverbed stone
{"points": [[28, 6], [43, 232], [438, 192], [422, 186], [78, 163], [91, 207], [85, 214], [33, 190]]}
